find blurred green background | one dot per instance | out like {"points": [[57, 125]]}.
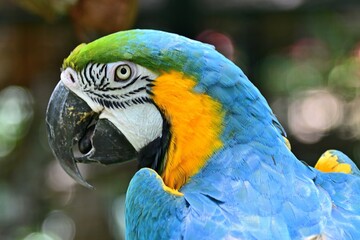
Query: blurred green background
{"points": [[303, 55]]}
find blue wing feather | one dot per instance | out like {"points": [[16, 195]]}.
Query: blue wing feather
{"points": [[151, 212]]}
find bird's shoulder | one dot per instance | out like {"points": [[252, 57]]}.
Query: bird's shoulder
{"points": [[259, 191]]}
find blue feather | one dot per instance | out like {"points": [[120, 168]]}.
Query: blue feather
{"points": [[254, 187]]}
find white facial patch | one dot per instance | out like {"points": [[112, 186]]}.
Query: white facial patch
{"points": [[140, 124], [120, 93], [71, 79]]}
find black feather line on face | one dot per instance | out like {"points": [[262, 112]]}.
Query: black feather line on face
{"points": [[153, 154]]}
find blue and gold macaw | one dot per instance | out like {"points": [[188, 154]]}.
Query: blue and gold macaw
{"points": [[214, 160]]}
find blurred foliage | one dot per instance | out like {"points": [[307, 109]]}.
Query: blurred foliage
{"points": [[303, 55], [89, 17], [48, 9]]}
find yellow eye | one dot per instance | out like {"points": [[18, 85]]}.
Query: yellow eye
{"points": [[122, 73]]}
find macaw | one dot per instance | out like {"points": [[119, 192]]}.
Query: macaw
{"points": [[214, 161]]}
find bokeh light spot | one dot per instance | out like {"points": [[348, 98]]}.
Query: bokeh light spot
{"points": [[58, 225], [313, 113], [16, 112], [39, 236], [352, 121]]}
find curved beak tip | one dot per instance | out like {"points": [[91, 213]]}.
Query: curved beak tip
{"points": [[73, 171]]}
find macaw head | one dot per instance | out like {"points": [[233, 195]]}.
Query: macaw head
{"points": [[165, 100]]}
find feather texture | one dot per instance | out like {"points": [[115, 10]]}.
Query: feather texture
{"points": [[250, 186]]}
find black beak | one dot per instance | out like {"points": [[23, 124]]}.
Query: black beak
{"points": [[76, 134]]}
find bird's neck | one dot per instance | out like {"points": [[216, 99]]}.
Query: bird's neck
{"points": [[200, 124], [196, 127]]}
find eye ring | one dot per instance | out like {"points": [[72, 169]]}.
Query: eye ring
{"points": [[122, 73]]}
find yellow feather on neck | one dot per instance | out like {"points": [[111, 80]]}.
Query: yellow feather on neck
{"points": [[196, 126]]}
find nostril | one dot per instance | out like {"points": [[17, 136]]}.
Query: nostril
{"points": [[85, 144], [72, 78]]}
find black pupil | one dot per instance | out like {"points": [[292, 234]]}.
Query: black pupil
{"points": [[123, 70]]}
